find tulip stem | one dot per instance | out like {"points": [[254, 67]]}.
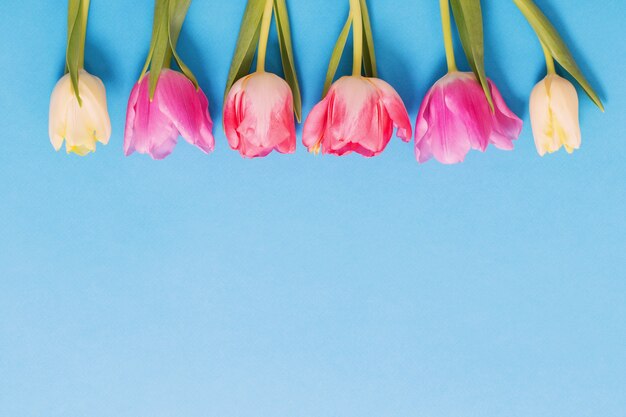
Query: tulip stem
{"points": [[81, 62], [549, 59], [357, 37], [446, 23], [265, 33]]}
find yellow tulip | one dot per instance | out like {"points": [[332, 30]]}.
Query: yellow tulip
{"points": [[554, 115], [79, 126]]}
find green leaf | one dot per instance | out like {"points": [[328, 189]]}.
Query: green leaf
{"points": [[369, 56], [78, 11], [153, 40], [549, 36], [177, 13], [286, 53], [335, 58], [469, 22], [247, 43], [161, 54]]}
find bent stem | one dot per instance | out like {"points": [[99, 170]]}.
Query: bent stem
{"points": [[446, 23], [549, 59], [357, 37], [265, 33]]}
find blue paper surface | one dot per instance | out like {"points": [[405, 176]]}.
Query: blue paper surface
{"points": [[301, 285]]}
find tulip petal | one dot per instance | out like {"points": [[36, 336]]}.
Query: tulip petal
{"points": [[57, 120], [564, 110], [93, 94], [186, 108], [552, 107], [506, 125], [455, 117], [448, 137], [466, 101], [357, 115], [395, 108], [422, 145], [148, 131], [258, 116], [232, 112], [315, 124], [79, 126]]}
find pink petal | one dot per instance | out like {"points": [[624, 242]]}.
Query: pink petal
{"points": [[232, 112], [147, 130], [129, 129], [395, 108], [447, 135], [187, 108], [259, 116], [315, 124], [466, 100], [422, 145], [357, 120], [506, 125]]}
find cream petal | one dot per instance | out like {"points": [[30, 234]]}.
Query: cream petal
{"points": [[80, 126], [59, 100], [564, 107], [93, 94], [540, 118]]}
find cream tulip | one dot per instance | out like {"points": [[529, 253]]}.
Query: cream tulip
{"points": [[554, 115], [79, 125]]}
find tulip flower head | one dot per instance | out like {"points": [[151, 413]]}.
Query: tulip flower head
{"points": [[357, 115], [554, 115], [259, 108], [455, 117], [79, 124], [554, 100], [78, 104], [258, 116], [177, 109], [358, 112]]}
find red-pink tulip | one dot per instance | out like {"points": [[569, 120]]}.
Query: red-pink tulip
{"points": [[177, 109], [258, 116], [455, 117], [357, 115]]}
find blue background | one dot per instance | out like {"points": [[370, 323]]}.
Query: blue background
{"points": [[302, 285]]}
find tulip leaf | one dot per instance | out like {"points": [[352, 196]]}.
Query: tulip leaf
{"points": [[550, 37], [469, 22], [78, 11], [177, 13], [335, 58], [369, 56], [161, 54], [247, 43], [286, 52]]}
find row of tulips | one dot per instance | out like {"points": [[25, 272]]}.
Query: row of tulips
{"points": [[358, 113]]}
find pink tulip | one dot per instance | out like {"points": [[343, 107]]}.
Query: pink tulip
{"points": [[258, 116], [455, 117], [177, 108], [357, 115]]}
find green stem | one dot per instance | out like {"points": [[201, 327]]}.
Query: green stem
{"points": [[265, 33], [549, 59], [83, 34], [446, 23], [357, 37]]}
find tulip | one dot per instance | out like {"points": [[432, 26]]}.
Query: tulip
{"points": [[177, 109], [357, 115], [456, 117], [554, 115], [80, 125], [258, 116]]}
